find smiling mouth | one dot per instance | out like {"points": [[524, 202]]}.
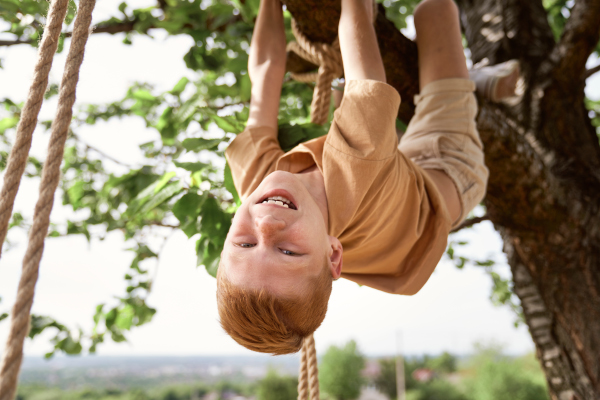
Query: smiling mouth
{"points": [[279, 201]]}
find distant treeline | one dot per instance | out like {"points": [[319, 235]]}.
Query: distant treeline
{"points": [[343, 372]]}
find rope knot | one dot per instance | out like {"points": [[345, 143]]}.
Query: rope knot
{"points": [[329, 60]]}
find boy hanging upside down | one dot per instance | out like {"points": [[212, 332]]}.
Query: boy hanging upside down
{"points": [[351, 204]]}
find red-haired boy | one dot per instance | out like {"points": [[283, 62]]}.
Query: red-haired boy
{"points": [[351, 204]]}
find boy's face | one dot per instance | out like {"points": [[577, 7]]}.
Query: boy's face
{"points": [[273, 246]]}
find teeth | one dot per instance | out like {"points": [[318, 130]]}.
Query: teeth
{"points": [[278, 200]]}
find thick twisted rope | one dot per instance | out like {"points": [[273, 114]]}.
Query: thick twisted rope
{"points": [[329, 60], [308, 380], [20, 151], [13, 354]]}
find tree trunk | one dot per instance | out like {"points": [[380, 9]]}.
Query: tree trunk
{"points": [[544, 159]]}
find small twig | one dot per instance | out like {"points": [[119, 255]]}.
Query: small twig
{"points": [[158, 254], [103, 154], [14, 42], [592, 71], [470, 222], [158, 223], [243, 103]]}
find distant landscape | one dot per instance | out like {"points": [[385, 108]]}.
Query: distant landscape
{"points": [[344, 373], [152, 371]]}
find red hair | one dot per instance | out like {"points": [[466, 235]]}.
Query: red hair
{"points": [[261, 321]]}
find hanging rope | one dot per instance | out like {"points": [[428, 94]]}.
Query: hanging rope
{"points": [[308, 379], [329, 60], [13, 354], [20, 151]]}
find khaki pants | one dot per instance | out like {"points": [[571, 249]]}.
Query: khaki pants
{"points": [[442, 135]]}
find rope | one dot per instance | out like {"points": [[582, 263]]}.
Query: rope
{"points": [[20, 151], [308, 380], [19, 328], [303, 375], [329, 60]]}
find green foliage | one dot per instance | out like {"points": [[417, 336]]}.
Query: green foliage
{"points": [[180, 392], [397, 11], [385, 382], [445, 363], [276, 387], [290, 136], [594, 112], [437, 389], [340, 371], [497, 377]]}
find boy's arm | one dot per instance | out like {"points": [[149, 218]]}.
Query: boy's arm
{"points": [[266, 65], [358, 42]]}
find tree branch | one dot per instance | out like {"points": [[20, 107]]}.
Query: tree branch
{"points": [[126, 26], [103, 154], [470, 222], [159, 223], [318, 20], [592, 71], [14, 42], [579, 38]]}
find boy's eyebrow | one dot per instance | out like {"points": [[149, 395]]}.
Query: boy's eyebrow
{"points": [[238, 254]]}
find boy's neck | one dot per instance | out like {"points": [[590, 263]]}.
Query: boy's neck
{"points": [[312, 178]]}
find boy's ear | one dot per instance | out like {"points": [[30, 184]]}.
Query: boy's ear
{"points": [[335, 257]]}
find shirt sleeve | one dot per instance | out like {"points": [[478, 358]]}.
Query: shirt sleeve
{"points": [[364, 126], [252, 155]]}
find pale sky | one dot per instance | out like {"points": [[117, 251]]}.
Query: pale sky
{"points": [[450, 313]]}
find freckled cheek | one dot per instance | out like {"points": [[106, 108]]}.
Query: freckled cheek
{"points": [[307, 232]]}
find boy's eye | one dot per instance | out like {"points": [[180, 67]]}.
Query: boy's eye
{"points": [[246, 245], [288, 253]]}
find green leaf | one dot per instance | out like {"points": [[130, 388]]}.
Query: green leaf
{"points": [[165, 194], [192, 166], [450, 252], [187, 211], [125, 317], [98, 314], [290, 136], [180, 86], [143, 95], [117, 336], [40, 323], [163, 181], [245, 87], [198, 144], [69, 345], [8, 123], [229, 185], [228, 124]]}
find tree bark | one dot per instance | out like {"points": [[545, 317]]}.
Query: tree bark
{"points": [[544, 159]]}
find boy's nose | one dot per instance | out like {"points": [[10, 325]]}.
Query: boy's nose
{"points": [[268, 225]]}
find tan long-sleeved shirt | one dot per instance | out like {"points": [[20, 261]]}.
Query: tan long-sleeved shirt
{"points": [[386, 212]]}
